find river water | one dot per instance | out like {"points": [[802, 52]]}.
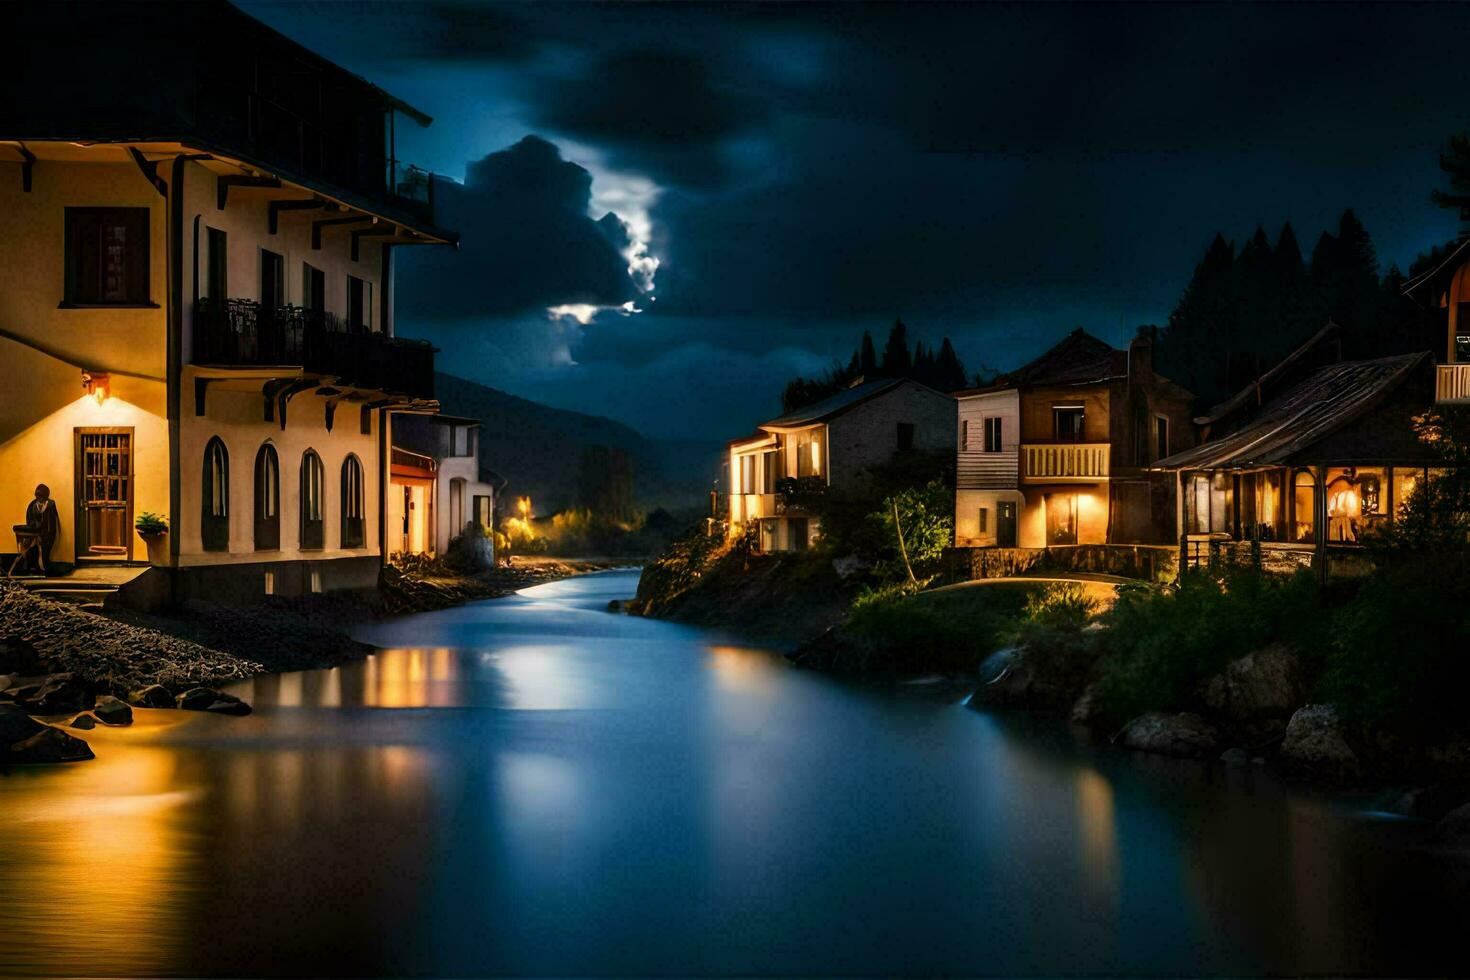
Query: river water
{"points": [[533, 785]]}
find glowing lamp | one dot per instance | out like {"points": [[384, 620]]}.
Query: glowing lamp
{"points": [[96, 384]]}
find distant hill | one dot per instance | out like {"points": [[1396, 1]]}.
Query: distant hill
{"points": [[538, 449]]}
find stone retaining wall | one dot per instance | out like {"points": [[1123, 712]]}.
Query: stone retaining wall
{"points": [[1155, 563]]}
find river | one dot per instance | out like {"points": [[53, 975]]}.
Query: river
{"points": [[536, 785]]}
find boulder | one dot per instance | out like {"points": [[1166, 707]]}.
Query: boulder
{"points": [[1454, 827], [1046, 675], [24, 740], [208, 699], [83, 722], [1432, 802], [111, 711], [18, 656], [53, 694], [1186, 734], [1315, 744], [1085, 708], [1257, 693], [1235, 757], [152, 696]]}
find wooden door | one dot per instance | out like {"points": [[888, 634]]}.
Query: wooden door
{"points": [[1005, 524], [104, 478]]}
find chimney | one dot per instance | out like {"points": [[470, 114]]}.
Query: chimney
{"points": [[1140, 358]]}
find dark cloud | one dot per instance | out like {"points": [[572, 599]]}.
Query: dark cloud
{"points": [[527, 241]]}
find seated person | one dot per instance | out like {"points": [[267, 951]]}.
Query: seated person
{"points": [[41, 515]]}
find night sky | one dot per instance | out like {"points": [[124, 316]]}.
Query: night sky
{"points": [[786, 176]]}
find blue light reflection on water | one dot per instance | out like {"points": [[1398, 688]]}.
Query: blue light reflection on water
{"points": [[535, 785]]}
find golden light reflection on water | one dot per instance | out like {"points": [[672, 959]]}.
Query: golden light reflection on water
{"points": [[1096, 827], [88, 854], [742, 669]]}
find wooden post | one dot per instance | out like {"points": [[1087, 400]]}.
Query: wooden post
{"points": [[1319, 524]]}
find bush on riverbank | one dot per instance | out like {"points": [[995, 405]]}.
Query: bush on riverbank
{"points": [[1162, 644]]}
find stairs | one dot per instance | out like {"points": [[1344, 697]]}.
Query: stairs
{"points": [[89, 595]]}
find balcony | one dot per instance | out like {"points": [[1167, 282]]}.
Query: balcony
{"points": [[242, 333], [1452, 384], [988, 471], [1071, 462]]}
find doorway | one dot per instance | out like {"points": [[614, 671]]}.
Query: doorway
{"points": [[1061, 519], [104, 494], [1005, 524]]}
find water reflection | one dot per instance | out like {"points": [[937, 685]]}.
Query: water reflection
{"points": [[535, 786]]}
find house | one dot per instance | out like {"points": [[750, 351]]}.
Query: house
{"points": [[831, 447], [201, 218], [436, 484], [1055, 452], [1306, 461], [1445, 291]]}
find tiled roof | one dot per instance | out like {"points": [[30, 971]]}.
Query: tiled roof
{"points": [[828, 408], [1325, 402]]}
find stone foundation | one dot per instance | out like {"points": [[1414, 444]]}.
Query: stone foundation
{"points": [[1150, 563]]}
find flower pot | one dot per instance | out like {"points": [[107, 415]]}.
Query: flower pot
{"points": [[157, 544]]}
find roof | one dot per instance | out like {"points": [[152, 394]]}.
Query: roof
{"points": [[1077, 359], [442, 419], [1326, 401], [1246, 394], [1451, 262], [829, 408]]}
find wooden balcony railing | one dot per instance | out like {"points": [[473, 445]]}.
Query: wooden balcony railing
{"points": [[1066, 462], [988, 471], [1452, 384], [242, 333]]}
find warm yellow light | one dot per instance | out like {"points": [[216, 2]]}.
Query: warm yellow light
{"points": [[95, 384], [523, 505]]}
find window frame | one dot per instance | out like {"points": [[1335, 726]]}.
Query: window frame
{"points": [[312, 529], [1080, 412], [267, 492], [138, 259], [354, 504], [999, 427], [214, 496]]}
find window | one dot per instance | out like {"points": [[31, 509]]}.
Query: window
{"points": [[800, 532], [482, 509], [964, 433], [107, 257], [993, 434], [214, 524], [1061, 518], [1304, 507], [272, 280], [905, 436], [267, 499], [808, 454], [461, 442], [1161, 437], [768, 535], [983, 522], [217, 271], [311, 500], [353, 522], [1067, 423], [359, 304], [313, 288], [747, 474], [770, 470]]}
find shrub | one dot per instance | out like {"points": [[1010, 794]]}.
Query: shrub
{"points": [[1061, 605], [469, 551], [1163, 642], [1400, 649], [953, 629]]}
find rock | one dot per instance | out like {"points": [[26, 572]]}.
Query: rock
{"points": [[1454, 827], [18, 656], [152, 696], [1085, 709], [1257, 693], [111, 711], [1235, 757], [1314, 743], [53, 694], [1185, 734], [24, 740], [84, 722], [1049, 675], [208, 699], [1432, 802]]}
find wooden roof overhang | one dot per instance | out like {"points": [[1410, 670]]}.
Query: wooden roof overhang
{"points": [[278, 386], [237, 174]]}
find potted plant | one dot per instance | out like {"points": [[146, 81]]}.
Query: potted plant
{"points": [[153, 529]]}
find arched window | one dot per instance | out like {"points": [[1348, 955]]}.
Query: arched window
{"points": [[312, 484], [214, 522], [353, 526], [1304, 507], [267, 499]]}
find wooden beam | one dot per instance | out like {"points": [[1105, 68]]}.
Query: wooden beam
{"points": [[269, 391], [150, 170], [317, 226], [289, 392], [27, 161], [222, 185], [276, 207], [201, 389], [374, 232]]}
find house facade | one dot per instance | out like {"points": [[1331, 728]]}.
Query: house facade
{"points": [[197, 316], [437, 486], [1056, 452], [830, 447]]}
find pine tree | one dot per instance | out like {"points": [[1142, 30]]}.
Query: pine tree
{"points": [[1454, 160], [868, 357], [897, 362], [1193, 349], [949, 370]]}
